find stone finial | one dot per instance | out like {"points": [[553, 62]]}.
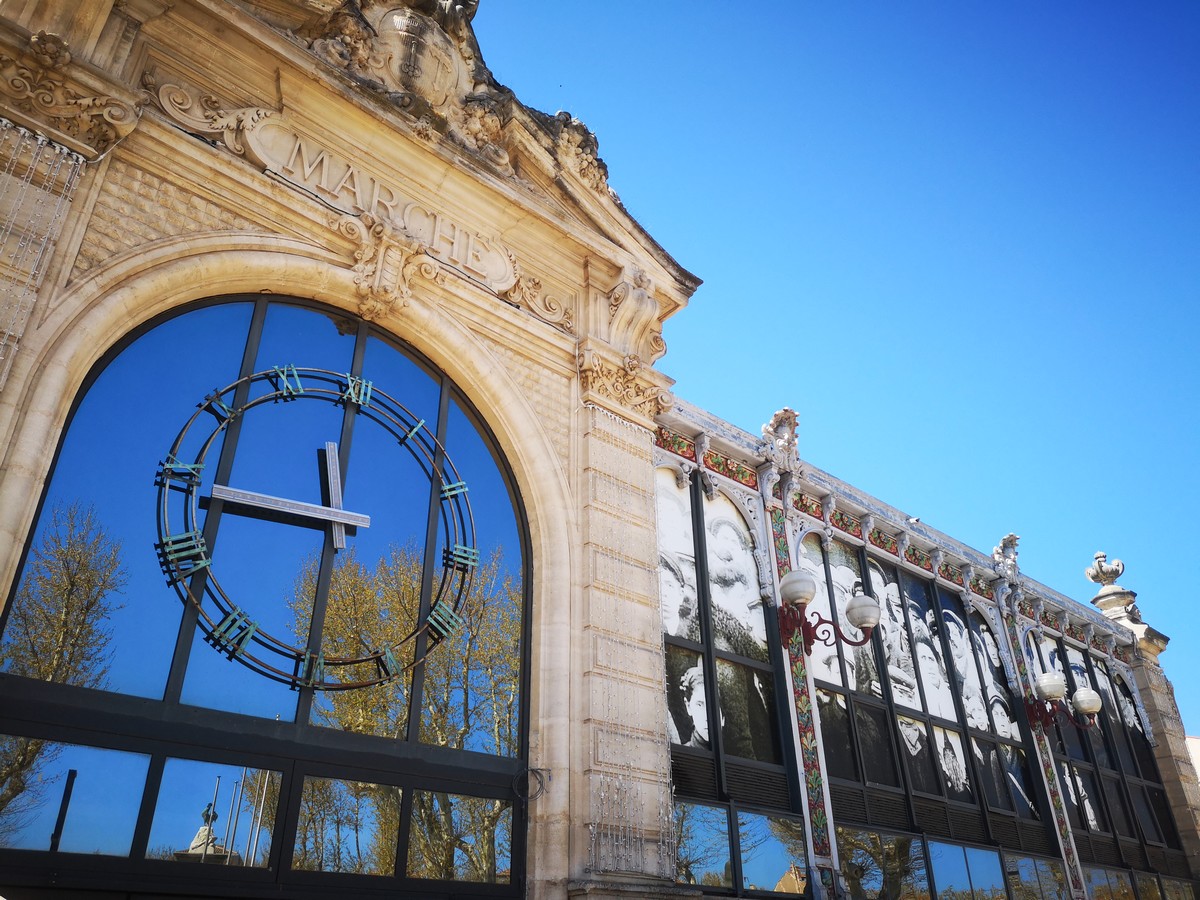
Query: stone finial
{"points": [[1112, 599], [1004, 557], [780, 432], [1103, 572]]}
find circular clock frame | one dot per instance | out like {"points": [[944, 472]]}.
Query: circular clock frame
{"points": [[185, 559]]}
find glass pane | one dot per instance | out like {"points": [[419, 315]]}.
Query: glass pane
{"points": [[1113, 713], [99, 791], [846, 570], [1116, 807], [1017, 772], [347, 826], [915, 747], [939, 697], [459, 838], [214, 814], [1120, 884], [676, 557], [747, 698], [823, 661], [130, 618], [995, 681], [949, 748], [1174, 889], [702, 845], [773, 854], [382, 602], [1133, 727], [1144, 814], [687, 700], [1097, 884], [1070, 794], [1162, 812], [949, 864], [472, 695], [306, 337], [1080, 678], [1021, 874], [893, 633], [835, 735], [876, 745], [962, 657], [1089, 801], [1053, 878], [990, 769], [890, 867], [987, 878], [739, 625], [1147, 886]]}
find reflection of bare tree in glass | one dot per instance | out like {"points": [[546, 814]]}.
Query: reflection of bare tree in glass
{"points": [[470, 701], [886, 867], [57, 632], [701, 845]]}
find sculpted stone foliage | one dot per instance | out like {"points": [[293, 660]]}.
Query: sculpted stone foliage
{"points": [[621, 383], [385, 262], [526, 293], [38, 81], [204, 113]]}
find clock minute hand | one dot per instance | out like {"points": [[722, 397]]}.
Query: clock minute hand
{"points": [[339, 518]]}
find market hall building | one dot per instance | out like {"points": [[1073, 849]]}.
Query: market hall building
{"points": [[352, 543]]}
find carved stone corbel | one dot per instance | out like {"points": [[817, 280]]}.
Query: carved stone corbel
{"points": [[203, 114], [621, 383], [968, 575], [69, 104], [386, 261], [828, 507], [634, 317], [768, 477]]}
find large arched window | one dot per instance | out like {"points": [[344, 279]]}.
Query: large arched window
{"points": [[270, 628]]}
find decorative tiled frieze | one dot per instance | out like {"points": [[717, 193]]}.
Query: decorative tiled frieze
{"points": [[675, 443], [982, 588], [730, 468], [918, 558], [843, 521], [950, 573], [808, 505], [884, 541]]}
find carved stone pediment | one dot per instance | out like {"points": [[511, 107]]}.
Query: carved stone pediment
{"points": [[47, 92]]}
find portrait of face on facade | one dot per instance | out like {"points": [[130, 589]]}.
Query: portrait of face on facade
{"points": [[823, 661], [962, 655], [676, 557], [894, 634], [995, 681], [746, 699], [927, 652], [739, 625], [688, 722], [949, 749], [845, 571]]}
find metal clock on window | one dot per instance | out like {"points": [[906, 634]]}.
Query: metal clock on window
{"points": [[229, 623]]}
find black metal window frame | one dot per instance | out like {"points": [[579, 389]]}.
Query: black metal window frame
{"points": [[170, 729], [715, 776], [874, 803]]}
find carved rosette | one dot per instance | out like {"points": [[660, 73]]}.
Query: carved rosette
{"points": [[203, 114], [69, 105], [526, 293], [386, 261], [621, 384]]}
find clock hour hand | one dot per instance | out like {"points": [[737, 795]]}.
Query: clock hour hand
{"points": [[296, 511]]}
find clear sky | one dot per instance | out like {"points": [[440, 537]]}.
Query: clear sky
{"points": [[961, 240]]}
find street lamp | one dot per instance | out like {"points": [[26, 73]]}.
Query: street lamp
{"points": [[796, 591], [1051, 688]]}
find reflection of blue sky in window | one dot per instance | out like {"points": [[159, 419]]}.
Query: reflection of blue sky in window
{"points": [[103, 807], [773, 858]]}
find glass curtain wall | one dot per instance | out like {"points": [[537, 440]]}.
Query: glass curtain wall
{"points": [[272, 619]]}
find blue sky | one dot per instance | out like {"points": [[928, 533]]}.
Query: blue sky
{"points": [[961, 240]]}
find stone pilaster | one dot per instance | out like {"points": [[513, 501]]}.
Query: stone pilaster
{"points": [[623, 802]]}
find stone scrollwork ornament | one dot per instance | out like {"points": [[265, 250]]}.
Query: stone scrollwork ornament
{"points": [[386, 261], [526, 293], [203, 114], [634, 315], [1004, 558], [47, 93]]}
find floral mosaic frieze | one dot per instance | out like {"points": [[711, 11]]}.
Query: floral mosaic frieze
{"points": [[982, 588], [918, 558], [843, 521], [884, 542], [950, 573], [668, 440], [808, 505], [730, 468]]}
